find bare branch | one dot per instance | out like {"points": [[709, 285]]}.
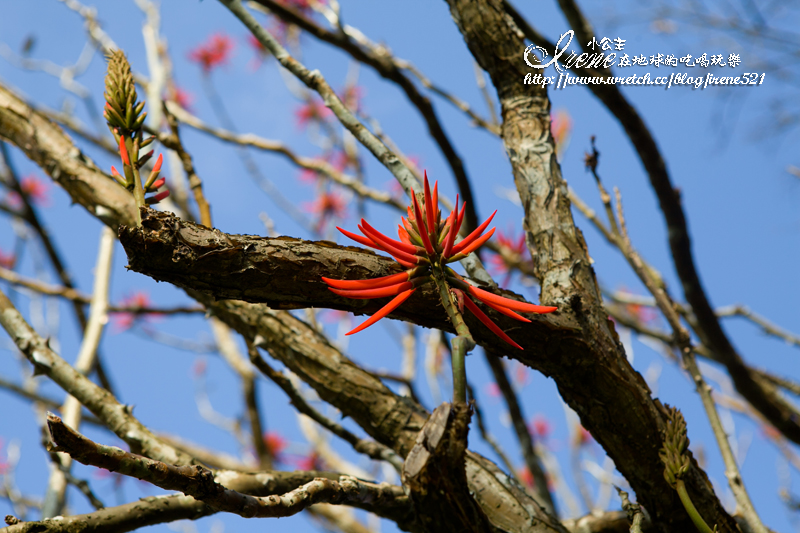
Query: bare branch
{"points": [[199, 482]]}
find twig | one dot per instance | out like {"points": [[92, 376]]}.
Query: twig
{"points": [[634, 512], [385, 66], [31, 217], [199, 483], [65, 75], [768, 327], [408, 383], [252, 168], [683, 340], [55, 497], [370, 448], [485, 435], [231, 354], [72, 294], [195, 183], [249, 139], [83, 486], [532, 460], [50, 403], [98, 400], [481, 81]]}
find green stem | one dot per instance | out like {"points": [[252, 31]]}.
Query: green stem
{"points": [[462, 343], [138, 191], [699, 523]]}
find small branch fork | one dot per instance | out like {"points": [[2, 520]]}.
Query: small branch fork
{"points": [[199, 483]]}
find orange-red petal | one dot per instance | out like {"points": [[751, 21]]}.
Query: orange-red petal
{"points": [[366, 242], [480, 315], [429, 206], [123, 151], [451, 237], [474, 235], [373, 283], [385, 244], [375, 234], [383, 311], [476, 244], [361, 240], [423, 231], [403, 234], [486, 296], [366, 294], [506, 311]]}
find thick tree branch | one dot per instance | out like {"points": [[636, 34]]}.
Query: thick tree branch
{"points": [[760, 393], [567, 279]]}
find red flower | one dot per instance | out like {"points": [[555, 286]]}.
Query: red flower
{"points": [[561, 128], [540, 427], [351, 97], [124, 320], [425, 240], [275, 445], [7, 260], [4, 465], [303, 6], [256, 45], [327, 206], [35, 189], [312, 461], [182, 97], [311, 111], [213, 53], [516, 252]]}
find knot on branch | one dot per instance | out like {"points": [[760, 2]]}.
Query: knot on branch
{"points": [[435, 475]]}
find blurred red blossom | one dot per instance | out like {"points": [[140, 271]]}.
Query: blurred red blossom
{"points": [[213, 53], [328, 206], [312, 111], [36, 189], [561, 128], [7, 260], [642, 313], [540, 427], [275, 445], [312, 461], [182, 97], [124, 320], [4, 465], [351, 97], [517, 253]]}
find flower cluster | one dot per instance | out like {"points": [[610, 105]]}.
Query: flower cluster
{"points": [[125, 118], [427, 244], [213, 53]]}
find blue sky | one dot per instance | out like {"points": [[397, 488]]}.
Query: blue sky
{"points": [[722, 148]]}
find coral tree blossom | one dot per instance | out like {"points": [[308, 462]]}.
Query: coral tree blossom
{"points": [[213, 53], [427, 242]]}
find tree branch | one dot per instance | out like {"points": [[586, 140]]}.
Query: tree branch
{"points": [[199, 482], [567, 279]]}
